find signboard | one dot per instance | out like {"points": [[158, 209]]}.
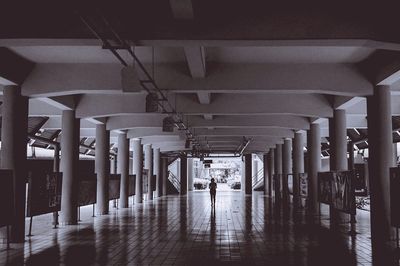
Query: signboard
{"points": [[132, 185], [44, 193], [6, 197], [325, 187], [87, 192], [395, 196], [343, 197], [303, 180], [114, 186]]}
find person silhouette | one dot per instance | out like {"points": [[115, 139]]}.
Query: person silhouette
{"points": [[213, 191]]}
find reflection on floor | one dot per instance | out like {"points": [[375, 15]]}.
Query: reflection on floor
{"points": [[178, 230]]}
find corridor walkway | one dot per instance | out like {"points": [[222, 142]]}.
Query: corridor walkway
{"points": [[177, 230]]}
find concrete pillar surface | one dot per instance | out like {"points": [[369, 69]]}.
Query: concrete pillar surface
{"points": [[157, 171], [380, 160], [123, 169], [102, 162], [286, 166], [314, 166], [148, 165], [248, 174], [69, 166], [298, 163], [190, 173], [138, 168], [184, 175], [13, 153]]}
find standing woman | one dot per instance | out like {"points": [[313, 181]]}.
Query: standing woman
{"points": [[213, 191]]}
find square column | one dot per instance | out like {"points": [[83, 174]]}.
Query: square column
{"points": [[69, 167], [137, 169], [13, 153], [123, 169]]}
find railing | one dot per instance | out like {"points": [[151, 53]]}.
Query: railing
{"points": [[174, 181], [258, 178]]}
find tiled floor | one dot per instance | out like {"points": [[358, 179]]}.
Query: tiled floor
{"points": [[178, 230]]}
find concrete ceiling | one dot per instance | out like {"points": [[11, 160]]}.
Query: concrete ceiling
{"points": [[262, 78]]}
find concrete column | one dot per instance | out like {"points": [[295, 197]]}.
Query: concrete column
{"points": [[137, 169], [338, 153], [69, 166], [248, 174], [254, 166], [298, 164], [265, 173], [395, 154], [157, 171], [13, 152], [278, 170], [56, 161], [380, 160], [123, 169], [164, 175], [314, 166], [184, 175], [190, 174], [148, 164], [286, 166], [271, 170], [102, 161]]}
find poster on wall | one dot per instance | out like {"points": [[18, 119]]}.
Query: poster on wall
{"points": [[325, 187], [343, 197], [87, 192], [6, 197], [114, 186], [303, 180], [145, 175], [132, 185], [395, 196], [44, 193]]}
